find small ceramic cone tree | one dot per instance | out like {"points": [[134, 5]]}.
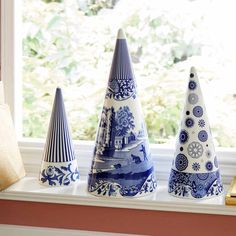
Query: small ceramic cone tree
{"points": [[59, 166], [121, 165], [195, 172]]}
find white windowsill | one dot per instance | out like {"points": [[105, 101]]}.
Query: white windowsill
{"points": [[29, 189]]}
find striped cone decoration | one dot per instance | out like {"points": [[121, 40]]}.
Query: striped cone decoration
{"points": [[59, 165], [121, 165], [195, 171]]}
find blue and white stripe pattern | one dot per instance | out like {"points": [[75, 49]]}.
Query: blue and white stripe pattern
{"points": [[121, 66], [59, 144], [121, 84], [59, 166]]}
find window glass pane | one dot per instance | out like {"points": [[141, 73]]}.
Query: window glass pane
{"points": [[70, 44]]}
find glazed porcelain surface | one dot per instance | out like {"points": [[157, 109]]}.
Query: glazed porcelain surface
{"points": [[195, 170], [59, 165], [121, 165]]}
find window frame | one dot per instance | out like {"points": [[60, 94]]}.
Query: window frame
{"points": [[31, 149], [11, 53]]}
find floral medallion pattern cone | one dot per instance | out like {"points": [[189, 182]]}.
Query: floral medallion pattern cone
{"points": [[59, 166], [195, 172], [121, 165]]}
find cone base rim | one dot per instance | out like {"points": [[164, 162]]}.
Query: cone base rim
{"points": [[148, 194], [196, 199]]}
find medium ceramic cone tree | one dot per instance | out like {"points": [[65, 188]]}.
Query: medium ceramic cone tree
{"points": [[195, 172], [59, 166], [121, 165]]}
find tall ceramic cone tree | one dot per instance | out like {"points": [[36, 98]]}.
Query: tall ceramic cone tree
{"points": [[195, 172], [59, 166], [121, 165]]}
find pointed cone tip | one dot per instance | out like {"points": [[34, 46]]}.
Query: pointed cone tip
{"points": [[192, 70], [58, 92], [121, 34], [58, 98], [58, 89]]}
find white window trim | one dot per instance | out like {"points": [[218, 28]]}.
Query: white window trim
{"points": [[11, 54], [32, 149], [16, 230]]}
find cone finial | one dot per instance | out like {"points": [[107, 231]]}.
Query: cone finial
{"points": [[121, 34], [193, 72]]}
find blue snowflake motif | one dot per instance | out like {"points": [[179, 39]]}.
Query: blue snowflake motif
{"points": [[196, 166], [181, 162], [203, 136], [192, 98], [209, 166], [216, 162], [192, 85], [201, 123], [183, 136], [189, 122], [197, 111], [195, 149]]}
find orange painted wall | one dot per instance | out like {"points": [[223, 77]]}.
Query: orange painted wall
{"points": [[144, 222]]}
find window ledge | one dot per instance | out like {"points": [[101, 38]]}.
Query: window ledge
{"points": [[29, 189]]}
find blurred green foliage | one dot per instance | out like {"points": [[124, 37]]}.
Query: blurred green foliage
{"points": [[70, 44]]}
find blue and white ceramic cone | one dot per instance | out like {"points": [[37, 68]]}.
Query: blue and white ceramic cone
{"points": [[59, 166], [195, 172], [121, 165]]}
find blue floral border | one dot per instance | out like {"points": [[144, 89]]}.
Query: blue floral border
{"points": [[112, 189], [62, 175], [195, 185]]}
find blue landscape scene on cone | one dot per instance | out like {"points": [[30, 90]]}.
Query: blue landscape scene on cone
{"points": [[121, 159], [121, 163]]}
